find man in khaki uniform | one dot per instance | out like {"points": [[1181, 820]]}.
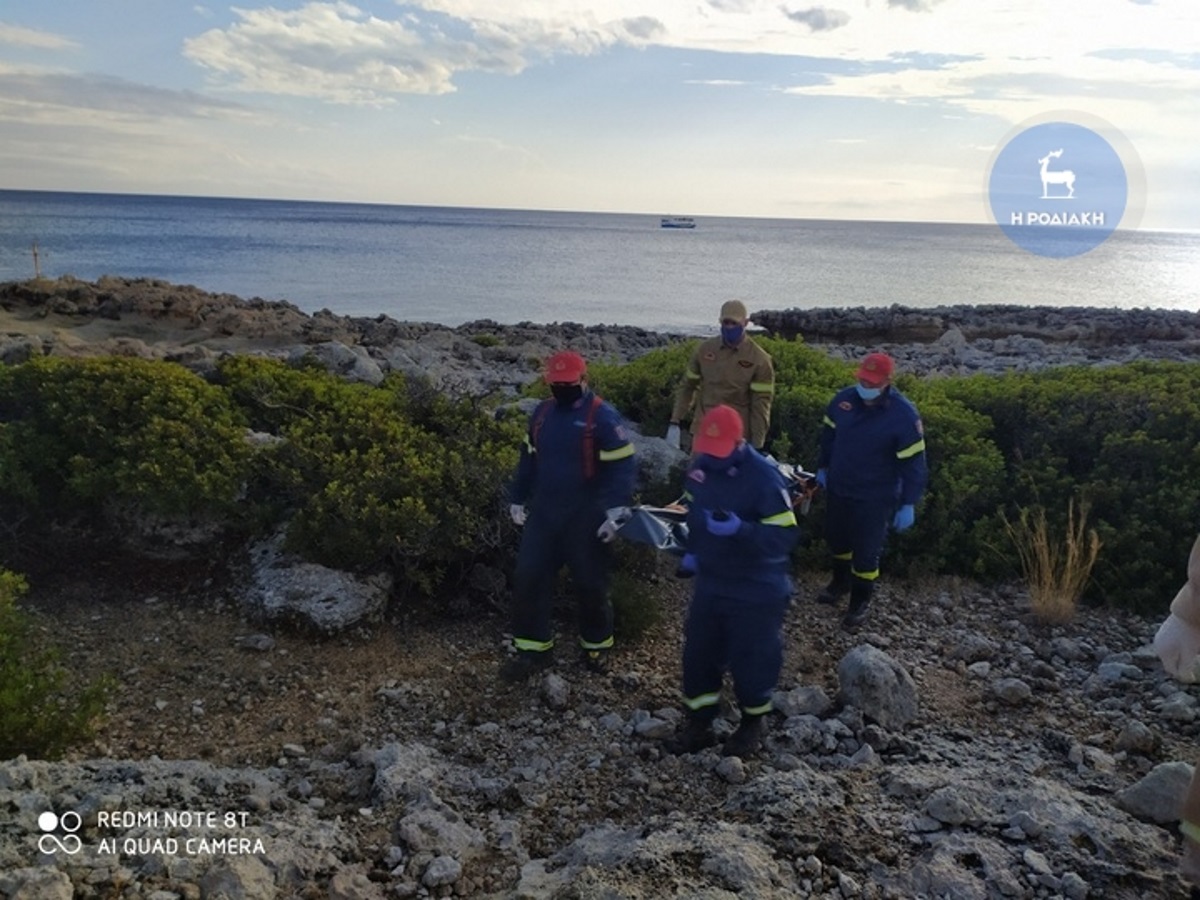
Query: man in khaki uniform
{"points": [[730, 370]]}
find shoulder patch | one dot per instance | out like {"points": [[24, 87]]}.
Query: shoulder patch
{"points": [[920, 427], [709, 355], [745, 363], [846, 405], [696, 475]]}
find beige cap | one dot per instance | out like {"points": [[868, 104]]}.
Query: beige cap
{"points": [[734, 309]]}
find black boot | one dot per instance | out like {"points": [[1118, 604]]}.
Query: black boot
{"points": [[747, 739], [839, 585], [860, 603], [525, 664], [697, 733]]}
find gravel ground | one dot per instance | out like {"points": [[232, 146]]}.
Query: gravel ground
{"points": [[560, 769]]}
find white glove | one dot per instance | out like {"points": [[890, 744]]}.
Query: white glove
{"points": [[1177, 644], [612, 523], [518, 513], [673, 436]]}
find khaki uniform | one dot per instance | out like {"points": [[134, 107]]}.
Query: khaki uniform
{"points": [[742, 377]]}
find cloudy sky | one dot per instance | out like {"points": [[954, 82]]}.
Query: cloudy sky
{"points": [[854, 109]]}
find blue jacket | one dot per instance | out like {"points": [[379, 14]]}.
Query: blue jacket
{"points": [[552, 474], [758, 555], [873, 452]]}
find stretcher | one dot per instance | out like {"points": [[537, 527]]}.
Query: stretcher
{"points": [[665, 527]]}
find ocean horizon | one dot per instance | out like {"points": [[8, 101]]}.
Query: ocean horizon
{"points": [[452, 265]]}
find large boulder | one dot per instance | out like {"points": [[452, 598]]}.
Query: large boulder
{"points": [[284, 588], [880, 687]]}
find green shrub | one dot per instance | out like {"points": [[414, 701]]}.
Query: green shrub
{"points": [[636, 605], [643, 390], [959, 519], [1121, 439], [392, 474], [401, 475], [41, 713], [79, 432]]}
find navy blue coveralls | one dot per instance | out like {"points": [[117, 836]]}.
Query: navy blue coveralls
{"points": [[576, 463], [874, 457], [742, 586]]}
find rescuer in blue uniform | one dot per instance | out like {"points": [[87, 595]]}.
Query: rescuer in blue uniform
{"points": [[575, 475], [741, 531], [872, 466]]}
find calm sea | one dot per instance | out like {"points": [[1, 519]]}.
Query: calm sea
{"points": [[453, 265]]}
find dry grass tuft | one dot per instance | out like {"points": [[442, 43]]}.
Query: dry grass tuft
{"points": [[1056, 570]]}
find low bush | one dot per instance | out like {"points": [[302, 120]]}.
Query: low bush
{"points": [[401, 475], [42, 712], [76, 433], [1120, 438], [372, 476]]}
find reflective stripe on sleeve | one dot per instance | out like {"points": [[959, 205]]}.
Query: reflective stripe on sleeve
{"points": [[784, 518], [620, 453], [828, 421], [762, 387], [911, 450]]}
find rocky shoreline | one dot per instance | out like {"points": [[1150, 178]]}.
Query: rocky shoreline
{"points": [[155, 319], [956, 747]]}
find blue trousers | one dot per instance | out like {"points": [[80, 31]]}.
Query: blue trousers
{"points": [[858, 527], [725, 628], [547, 544]]}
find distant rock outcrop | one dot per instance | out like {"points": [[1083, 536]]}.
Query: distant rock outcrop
{"points": [[900, 325], [157, 320]]}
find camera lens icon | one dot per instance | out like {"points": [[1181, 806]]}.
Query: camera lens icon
{"points": [[50, 843]]}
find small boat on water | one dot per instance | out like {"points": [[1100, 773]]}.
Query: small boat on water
{"points": [[678, 222]]}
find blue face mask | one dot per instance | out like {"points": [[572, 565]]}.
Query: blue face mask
{"points": [[732, 334], [868, 393]]}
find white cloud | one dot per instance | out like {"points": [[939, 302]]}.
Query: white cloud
{"points": [[534, 121], [29, 37], [52, 95], [337, 52]]}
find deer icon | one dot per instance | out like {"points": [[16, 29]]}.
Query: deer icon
{"points": [[1063, 176]]}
